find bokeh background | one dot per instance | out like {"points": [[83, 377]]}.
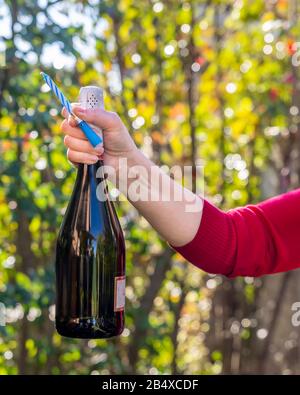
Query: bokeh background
{"points": [[197, 82]]}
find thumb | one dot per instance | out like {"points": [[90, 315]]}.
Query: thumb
{"points": [[98, 117]]}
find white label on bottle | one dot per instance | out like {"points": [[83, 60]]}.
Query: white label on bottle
{"points": [[119, 303]]}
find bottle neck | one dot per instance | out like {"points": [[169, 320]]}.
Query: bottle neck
{"points": [[90, 176], [84, 170]]}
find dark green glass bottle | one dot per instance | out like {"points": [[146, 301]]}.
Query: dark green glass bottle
{"points": [[90, 257]]}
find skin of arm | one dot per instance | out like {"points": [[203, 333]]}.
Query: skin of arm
{"points": [[168, 215]]}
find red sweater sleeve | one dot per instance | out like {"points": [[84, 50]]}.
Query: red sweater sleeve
{"points": [[249, 241]]}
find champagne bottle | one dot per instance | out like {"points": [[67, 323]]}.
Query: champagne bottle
{"points": [[90, 254]]}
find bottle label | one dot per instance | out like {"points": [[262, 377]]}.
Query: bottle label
{"points": [[119, 302]]}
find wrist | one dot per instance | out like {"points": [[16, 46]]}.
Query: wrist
{"points": [[134, 157], [130, 167], [128, 159]]}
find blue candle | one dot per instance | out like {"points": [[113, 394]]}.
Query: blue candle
{"points": [[91, 135]]}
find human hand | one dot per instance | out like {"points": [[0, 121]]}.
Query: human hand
{"points": [[117, 140]]}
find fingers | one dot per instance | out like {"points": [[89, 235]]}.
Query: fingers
{"points": [[79, 148], [72, 131], [99, 117], [64, 111], [78, 145], [81, 157]]}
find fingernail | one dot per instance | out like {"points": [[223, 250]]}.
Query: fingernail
{"points": [[99, 150], [71, 121]]}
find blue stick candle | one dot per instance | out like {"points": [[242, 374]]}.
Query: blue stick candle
{"points": [[90, 134]]}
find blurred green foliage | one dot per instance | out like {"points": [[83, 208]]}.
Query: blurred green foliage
{"points": [[205, 82]]}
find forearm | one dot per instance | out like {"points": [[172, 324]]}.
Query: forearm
{"points": [[174, 211]]}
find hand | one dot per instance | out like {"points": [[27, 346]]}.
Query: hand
{"points": [[117, 141]]}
